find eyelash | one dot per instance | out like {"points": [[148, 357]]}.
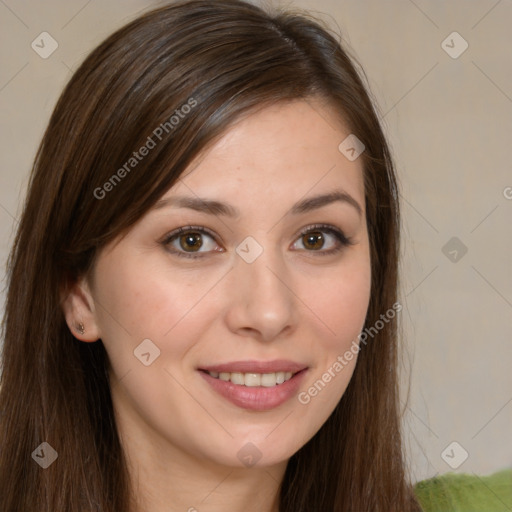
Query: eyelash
{"points": [[343, 241]]}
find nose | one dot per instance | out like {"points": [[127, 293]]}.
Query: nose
{"points": [[262, 303]]}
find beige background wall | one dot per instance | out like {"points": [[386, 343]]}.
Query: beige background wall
{"points": [[450, 124]]}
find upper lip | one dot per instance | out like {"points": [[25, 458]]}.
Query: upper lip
{"points": [[279, 365]]}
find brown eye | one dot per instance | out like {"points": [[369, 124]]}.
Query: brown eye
{"points": [[191, 241], [322, 239], [314, 240]]}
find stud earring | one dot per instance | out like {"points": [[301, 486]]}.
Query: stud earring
{"points": [[80, 328]]}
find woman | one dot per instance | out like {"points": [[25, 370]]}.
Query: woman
{"points": [[202, 300]]}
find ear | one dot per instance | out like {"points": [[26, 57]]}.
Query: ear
{"points": [[78, 307]]}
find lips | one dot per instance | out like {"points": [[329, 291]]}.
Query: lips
{"points": [[255, 385]]}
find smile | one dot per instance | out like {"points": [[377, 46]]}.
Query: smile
{"points": [[255, 385], [252, 380]]}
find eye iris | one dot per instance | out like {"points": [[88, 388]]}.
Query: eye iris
{"points": [[191, 241], [313, 240]]}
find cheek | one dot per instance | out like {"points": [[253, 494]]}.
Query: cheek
{"points": [[345, 306], [136, 301], [340, 301]]}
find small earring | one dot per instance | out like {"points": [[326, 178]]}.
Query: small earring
{"points": [[80, 328]]}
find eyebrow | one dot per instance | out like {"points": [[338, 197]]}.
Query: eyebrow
{"points": [[214, 207]]}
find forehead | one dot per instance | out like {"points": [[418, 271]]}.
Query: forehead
{"points": [[280, 151]]}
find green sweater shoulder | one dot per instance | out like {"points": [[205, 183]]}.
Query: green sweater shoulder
{"points": [[454, 492]]}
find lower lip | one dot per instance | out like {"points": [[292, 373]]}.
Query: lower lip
{"points": [[258, 398]]}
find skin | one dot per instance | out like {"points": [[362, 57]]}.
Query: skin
{"points": [[181, 438]]}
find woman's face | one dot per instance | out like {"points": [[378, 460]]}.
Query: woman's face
{"points": [[270, 277]]}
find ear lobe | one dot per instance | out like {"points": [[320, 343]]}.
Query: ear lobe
{"points": [[78, 308]]}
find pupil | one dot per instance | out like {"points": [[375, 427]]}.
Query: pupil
{"points": [[191, 241], [314, 240]]}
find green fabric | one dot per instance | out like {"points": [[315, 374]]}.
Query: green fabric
{"points": [[454, 492]]}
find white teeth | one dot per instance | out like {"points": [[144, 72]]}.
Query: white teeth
{"points": [[251, 380], [280, 377], [270, 379], [237, 378]]}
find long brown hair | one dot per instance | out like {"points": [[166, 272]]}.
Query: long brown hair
{"points": [[224, 59]]}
